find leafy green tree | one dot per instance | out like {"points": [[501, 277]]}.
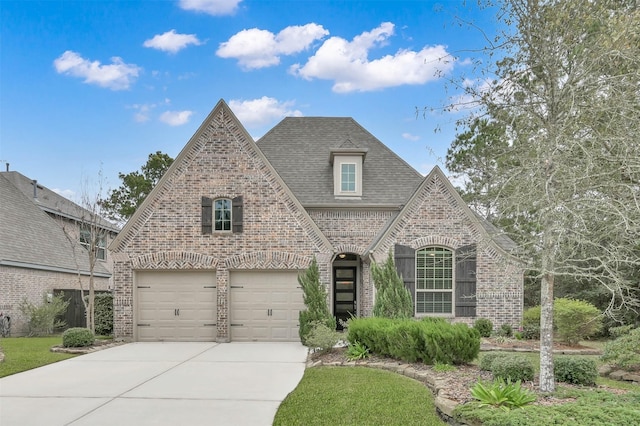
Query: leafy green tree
{"points": [[565, 88], [122, 202], [315, 298], [393, 300]]}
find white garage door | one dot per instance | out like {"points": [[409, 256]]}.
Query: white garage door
{"points": [[265, 305], [176, 306]]}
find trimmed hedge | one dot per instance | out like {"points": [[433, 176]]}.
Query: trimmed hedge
{"points": [[513, 367], [429, 340], [578, 371], [77, 338], [103, 313]]}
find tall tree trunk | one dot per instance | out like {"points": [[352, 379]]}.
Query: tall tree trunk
{"points": [[547, 379]]}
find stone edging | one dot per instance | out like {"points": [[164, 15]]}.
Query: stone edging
{"points": [[87, 350], [444, 406]]}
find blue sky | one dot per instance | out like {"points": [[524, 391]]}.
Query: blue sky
{"points": [[95, 86]]}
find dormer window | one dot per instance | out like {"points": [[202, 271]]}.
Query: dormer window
{"points": [[348, 177], [347, 171]]}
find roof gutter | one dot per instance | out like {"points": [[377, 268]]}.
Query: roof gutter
{"points": [[50, 268]]}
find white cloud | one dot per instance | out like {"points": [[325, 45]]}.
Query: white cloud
{"points": [[175, 118], [211, 7], [410, 137], [66, 193], [171, 41], [255, 48], [115, 76], [263, 110], [143, 111], [347, 63]]}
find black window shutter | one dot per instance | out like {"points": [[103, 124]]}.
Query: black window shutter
{"points": [[466, 281], [236, 214], [207, 215], [405, 260]]}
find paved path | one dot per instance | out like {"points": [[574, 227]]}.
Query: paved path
{"points": [[157, 384]]}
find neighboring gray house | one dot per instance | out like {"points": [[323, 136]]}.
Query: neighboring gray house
{"points": [[41, 246], [215, 250]]}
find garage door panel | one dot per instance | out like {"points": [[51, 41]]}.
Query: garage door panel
{"points": [[265, 305], [176, 305]]}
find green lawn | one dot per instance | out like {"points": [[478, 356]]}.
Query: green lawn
{"points": [[25, 353], [357, 396]]}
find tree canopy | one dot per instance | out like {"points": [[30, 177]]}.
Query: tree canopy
{"points": [[566, 91], [122, 202]]}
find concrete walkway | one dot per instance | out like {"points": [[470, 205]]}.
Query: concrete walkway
{"points": [[157, 384]]}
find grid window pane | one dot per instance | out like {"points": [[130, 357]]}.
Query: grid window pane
{"points": [[222, 215], [348, 178], [434, 281]]}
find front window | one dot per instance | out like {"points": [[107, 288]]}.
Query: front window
{"points": [[348, 177], [434, 281], [222, 215]]}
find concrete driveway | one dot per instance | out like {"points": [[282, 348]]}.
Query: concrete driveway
{"points": [[157, 384]]}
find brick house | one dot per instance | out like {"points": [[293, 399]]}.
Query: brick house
{"points": [[42, 246], [215, 250]]}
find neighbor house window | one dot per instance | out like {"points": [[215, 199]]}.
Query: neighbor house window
{"points": [[100, 242], [348, 177], [222, 215], [434, 281]]}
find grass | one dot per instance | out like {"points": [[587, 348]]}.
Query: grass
{"points": [[357, 396], [26, 353]]}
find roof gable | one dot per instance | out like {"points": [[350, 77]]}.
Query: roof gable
{"points": [[483, 229], [300, 150], [221, 121]]}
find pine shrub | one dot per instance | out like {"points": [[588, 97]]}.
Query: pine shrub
{"points": [[315, 298], [574, 370], [77, 338], [624, 351], [576, 320], [393, 300], [484, 327], [42, 319]]}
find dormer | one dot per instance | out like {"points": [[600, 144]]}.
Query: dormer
{"points": [[347, 161]]}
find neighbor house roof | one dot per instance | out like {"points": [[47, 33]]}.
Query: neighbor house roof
{"points": [[30, 238], [300, 150], [53, 202]]}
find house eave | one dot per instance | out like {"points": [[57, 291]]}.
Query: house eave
{"points": [[26, 265]]}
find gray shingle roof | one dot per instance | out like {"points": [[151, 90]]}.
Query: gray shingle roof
{"points": [[299, 149], [29, 237], [51, 201]]}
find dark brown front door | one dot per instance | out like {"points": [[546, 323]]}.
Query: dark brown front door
{"points": [[344, 294]]}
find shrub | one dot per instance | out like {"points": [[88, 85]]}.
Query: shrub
{"points": [[77, 338], [513, 367], [578, 371], [411, 340], [487, 360], [322, 338], [393, 300], [506, 330], [41, 319], [502, 394], [576, 320], [315, 298], [624, 351], [531, 323], [484, 327], [104, 313]]}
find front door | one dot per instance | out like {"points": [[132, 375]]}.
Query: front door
{"points": [[344, 294]]}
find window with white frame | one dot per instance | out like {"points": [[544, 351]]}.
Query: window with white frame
{"points": [[348, 177], [434, 281], [86, 240], [222, 215]]}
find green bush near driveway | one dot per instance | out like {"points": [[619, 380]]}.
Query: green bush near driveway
{"points": [[77, 337], [357, 396]]}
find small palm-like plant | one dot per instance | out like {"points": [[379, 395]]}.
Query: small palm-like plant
{"points": [[356, 351], [502, 394]]}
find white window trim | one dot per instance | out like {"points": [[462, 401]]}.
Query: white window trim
{"points": [[340, 160], [213, 212]]}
